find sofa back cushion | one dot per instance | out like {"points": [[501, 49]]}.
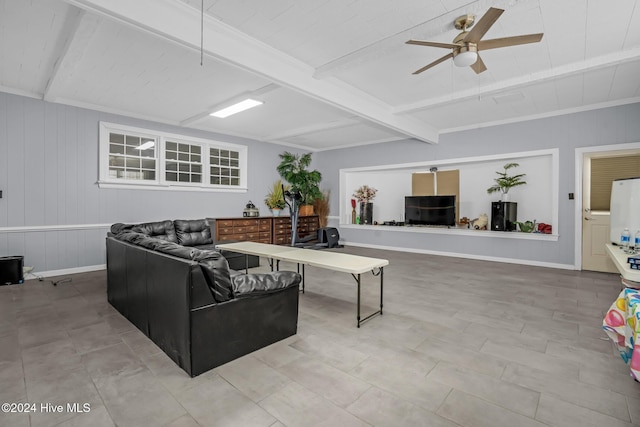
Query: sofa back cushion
{"points": [[193, 232], [216, 273], [162, 230]]}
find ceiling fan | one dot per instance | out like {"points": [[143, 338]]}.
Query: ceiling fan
{"points": [[467, 44]]}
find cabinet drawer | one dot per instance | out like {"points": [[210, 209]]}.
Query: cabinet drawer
{"points": [[265, 222], [282, 221], [281, 232], [246, 222], [264, 235], [240, 230], [281, 240], [225, 230], [282, 226], [265, 227], [250, 228], [224, 223], [252, 237], [226, 237]]}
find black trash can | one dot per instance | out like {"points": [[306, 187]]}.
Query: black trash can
{"points": [[11, 270]]}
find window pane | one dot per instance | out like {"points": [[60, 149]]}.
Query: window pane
{"points": [[172, 146], [235, 181], [116, 137], [215, 180], [215, 171], [214, 161], [224, 181], [224, 153], [183, 157], [149, 164], [171, 176], [184, 177], [116, 149], [195, 149], [116, 161], [150, 175], [235, 172], [172, 166], [132, 163], [134, 141], [196, 168], [234, 155], [184, 167], [183, 148], [196, 178], [130, 150], [234, 163], [195, 158], [171, 155], [214, 152]]}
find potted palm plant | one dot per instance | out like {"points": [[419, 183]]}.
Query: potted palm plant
{"points": [[275, 198], [293, 168], [504, 182]]}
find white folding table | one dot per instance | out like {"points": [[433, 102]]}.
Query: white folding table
{"points": [[336, 261]]}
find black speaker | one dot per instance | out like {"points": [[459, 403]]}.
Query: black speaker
{"points": [[329, 235], [11, 270], [504, 216]]}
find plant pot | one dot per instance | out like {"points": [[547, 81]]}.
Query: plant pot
{"points": [[276, 211], [306, 210]]}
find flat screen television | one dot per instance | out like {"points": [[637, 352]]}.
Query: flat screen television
{"points": [[430, 210]]}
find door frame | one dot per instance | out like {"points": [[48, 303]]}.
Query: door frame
{"points": [[613, 149]]}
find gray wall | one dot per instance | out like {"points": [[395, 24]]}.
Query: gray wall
{"points": [[49, 169], [48, 175], [614, 125]]}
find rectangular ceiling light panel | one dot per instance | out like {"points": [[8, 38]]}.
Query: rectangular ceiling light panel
{"points": [[236, 108]]}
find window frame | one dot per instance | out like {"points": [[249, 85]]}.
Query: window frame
{"points": [[161, 139]]}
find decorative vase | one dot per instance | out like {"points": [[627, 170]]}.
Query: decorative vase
{"points": [[353, 216], [276, 211], [366, 213], [505, 197]]}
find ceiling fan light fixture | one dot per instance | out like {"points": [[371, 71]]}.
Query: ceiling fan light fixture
{"points": [[467, 55]]}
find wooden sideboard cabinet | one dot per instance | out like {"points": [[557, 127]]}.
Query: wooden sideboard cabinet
{"points": [[307, 225], [275, 230], [243, 229]]}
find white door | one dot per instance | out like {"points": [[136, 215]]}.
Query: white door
{"points": [[595, 235]]}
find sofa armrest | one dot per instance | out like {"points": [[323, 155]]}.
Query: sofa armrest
{"points": [[246, 285]]}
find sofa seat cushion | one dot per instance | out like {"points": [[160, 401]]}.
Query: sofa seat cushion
{"points": [[194, 232], [247, 285], [162, 230]]}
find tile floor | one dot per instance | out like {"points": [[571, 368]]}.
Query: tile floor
{"points": [[460, 344]]}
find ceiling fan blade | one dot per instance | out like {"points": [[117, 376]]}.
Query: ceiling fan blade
{"points": [[433, 44], [434, 63], [483, 25], [478, 66], [509, 41]]}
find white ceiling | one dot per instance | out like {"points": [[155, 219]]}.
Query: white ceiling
{"points": [[331, 73]]}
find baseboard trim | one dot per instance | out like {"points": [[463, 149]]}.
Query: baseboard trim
{"points": [[65, 271], [467, 256]]}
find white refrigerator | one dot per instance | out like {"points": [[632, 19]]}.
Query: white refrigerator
{"points": [[625, 208]]}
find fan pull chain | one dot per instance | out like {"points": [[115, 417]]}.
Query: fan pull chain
{"points": [[201, 32]]}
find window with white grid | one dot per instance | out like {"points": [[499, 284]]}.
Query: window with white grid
{"points": [[143, 157]]}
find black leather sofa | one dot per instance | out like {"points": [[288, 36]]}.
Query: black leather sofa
{"points": [[190, 304], [194, 233]]}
